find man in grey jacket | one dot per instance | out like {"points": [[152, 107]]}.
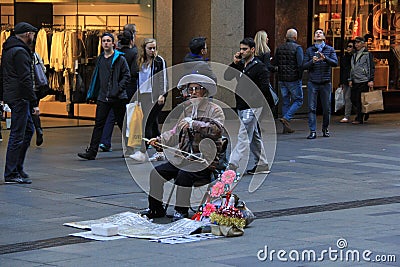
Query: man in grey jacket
{"points": [[361, 77]]}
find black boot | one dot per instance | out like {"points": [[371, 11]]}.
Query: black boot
{"points": [[90, 154], [39, 136], [325, 132], [312, 135]]}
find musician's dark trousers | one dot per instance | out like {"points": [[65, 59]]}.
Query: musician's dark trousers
{"points": [[184, 181]]}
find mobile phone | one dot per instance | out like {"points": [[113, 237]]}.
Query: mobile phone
{"points": [[317, 54], [239, 56]]}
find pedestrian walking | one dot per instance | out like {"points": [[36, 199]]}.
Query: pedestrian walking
{"points": [[152, 91], [126, 46], [108, 86], [245, 64], [345, 68], [289, 60], [361, 77]]}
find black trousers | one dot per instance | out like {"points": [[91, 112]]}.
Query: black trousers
{"points": [[356, 91], [102, 110], [184, 181]]}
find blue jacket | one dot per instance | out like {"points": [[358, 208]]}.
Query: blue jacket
{"points": [[120, 77], [320, 72]]}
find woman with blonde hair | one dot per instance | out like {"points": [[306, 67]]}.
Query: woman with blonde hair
{"points": [[152, 90], [263, 53]]}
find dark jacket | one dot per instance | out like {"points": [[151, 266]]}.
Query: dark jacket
{"points": [[120, 77], [17, 69], [320, 72], [130, 55], [197, 64], [266, 59], [257, 72], [289, 60], [159, 78], [345, 68]]}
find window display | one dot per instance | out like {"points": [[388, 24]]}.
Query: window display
{"points": [[68, 42], [378, 21]]}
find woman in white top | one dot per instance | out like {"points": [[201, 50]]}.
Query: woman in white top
{"points": [[152, 91]]}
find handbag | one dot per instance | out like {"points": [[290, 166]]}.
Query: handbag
{"points": [[371, 101], [274, 95], [339, 99], [40, 75], [134, 128]]}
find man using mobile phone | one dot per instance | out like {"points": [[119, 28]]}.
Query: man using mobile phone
{"points": [[319, 60], [249, 110]]}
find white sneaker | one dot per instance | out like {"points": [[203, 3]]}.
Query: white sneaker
{"points": [[344, 120], [158, 156], [138, 156]]}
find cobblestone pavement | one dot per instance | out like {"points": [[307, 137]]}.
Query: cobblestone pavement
{"points": [[321, 194]]}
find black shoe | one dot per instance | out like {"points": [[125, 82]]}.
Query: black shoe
{"points": [[312, 135], [23, 174], [259, 169], [1, 137], [89, 154], [325, 133], [151, 214], [17, 180], [366, 117], [39, 136], [105, 148]]}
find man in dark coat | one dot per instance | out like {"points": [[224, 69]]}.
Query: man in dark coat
{"points": [[18, 93]]}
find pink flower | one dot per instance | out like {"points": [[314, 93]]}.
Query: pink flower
{"points": [[228, 177], [217, 189], [208, 209]]}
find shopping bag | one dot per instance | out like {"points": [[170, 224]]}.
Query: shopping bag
{"points": [[339, 99], [371, 101], [134, 128]]}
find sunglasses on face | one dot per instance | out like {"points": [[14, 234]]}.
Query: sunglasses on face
{"points": [[195, 89], [350, 46], [151, 48]]}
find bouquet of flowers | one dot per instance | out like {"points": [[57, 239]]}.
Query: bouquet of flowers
{"points": [[228, 216], [219, 190]]}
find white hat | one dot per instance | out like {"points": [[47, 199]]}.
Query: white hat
{"points": [[202, 80]]}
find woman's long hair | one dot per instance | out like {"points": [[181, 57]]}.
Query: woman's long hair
{"points": [[261, 43], [142, 57]]}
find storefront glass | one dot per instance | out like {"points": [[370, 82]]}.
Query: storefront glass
{"points": [[80, 22], [378, 21]]}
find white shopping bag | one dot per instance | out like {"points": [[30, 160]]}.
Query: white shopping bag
{"points": [[339, 99]]}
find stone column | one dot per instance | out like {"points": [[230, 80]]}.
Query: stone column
{"points": [[227, 30], [163, 34]]}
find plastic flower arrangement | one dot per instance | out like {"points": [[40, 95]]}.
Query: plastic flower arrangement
{"points": [[228, 216], [224, 184], [221, 188], [208, 209]]}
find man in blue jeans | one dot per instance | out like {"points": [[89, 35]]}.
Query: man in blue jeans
{"points": [[319, 60], [289, 59], [17, 91]]}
